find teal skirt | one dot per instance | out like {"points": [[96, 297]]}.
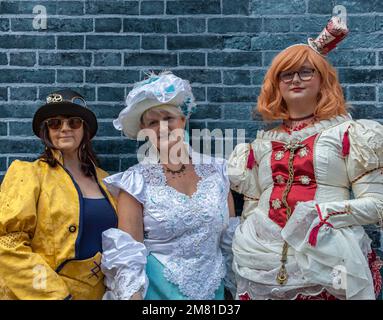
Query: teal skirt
{"points": [[161, 289]]}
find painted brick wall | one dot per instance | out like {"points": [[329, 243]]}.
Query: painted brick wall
{"points": [[222, 46]]}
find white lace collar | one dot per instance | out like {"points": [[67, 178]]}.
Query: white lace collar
{"points": [[304, 133]]}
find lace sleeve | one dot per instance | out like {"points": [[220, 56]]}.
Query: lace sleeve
{"points": [[123, 264]]}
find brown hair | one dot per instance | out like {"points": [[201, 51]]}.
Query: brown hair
{"points": [[330, 99], [85, 151]]}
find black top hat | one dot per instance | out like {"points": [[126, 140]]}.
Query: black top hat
{"points": [[64, 103]]}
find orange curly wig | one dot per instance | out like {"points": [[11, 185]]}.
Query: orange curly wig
{"points": [[330, 98]]}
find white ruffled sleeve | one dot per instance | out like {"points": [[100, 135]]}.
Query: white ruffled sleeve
{"points": [[243, 179], [130, 181], [123, 264]]}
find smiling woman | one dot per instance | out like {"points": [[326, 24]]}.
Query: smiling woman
{"points": [[54, 210], [176, 215], [301, 236], [308, 84]]}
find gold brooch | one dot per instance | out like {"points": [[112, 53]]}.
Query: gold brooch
{"points": [[54, 98]]}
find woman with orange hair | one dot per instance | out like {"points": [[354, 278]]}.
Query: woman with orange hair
{"points": [[309, 185]]}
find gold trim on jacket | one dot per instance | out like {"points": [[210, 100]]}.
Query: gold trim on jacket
{"points": [[39, 227]]}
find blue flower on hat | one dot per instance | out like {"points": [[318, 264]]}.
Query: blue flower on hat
{"points": [[157, 89]]}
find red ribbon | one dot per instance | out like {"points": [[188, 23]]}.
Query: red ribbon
{"points": [[346, 144], [313, 237], [250, 159]]}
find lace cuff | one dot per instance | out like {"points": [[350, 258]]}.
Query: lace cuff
{"points": [[227, 252], [123, 264]]}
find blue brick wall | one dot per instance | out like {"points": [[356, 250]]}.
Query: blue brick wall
{"points": [[223, 47]]}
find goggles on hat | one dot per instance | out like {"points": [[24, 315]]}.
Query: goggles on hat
{"points": [[55, 97]]}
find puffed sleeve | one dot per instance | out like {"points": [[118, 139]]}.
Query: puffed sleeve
{"points": [[130, 181], [365, 170], [123, 264], [243, 175], [19, 196]]}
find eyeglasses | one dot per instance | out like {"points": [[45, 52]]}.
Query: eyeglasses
{"points": [[305, 74], [56, 123]]}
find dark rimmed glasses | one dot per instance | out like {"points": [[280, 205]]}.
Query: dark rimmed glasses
{"points": [[305, 74], [56, 123]]}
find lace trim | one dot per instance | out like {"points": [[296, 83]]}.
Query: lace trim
{"points": [[197, 228], [194, 283], [204, 170], [304, 133], [187, 266], [154, 175], [125, 286], [198, 232]]}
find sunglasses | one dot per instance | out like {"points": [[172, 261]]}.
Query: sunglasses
{"points": [[56, 124], [305, 74]]}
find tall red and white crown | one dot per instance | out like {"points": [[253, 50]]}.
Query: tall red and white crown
{"points": [[334, 32]]}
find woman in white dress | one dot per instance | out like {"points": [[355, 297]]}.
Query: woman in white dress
{"points": [[301, 235], [176, 213]]}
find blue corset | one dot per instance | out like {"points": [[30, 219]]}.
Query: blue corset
{"points": [[98, 216]]}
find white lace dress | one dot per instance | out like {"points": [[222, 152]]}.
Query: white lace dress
{"points": [[327, 246], [189, 236]]}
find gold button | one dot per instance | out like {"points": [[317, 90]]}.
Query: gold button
{"points": [[72, 228]]}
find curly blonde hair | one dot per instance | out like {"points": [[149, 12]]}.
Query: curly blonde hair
{"points": [[330, 98]]}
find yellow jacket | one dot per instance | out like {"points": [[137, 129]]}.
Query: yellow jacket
{"points": [[40, 226]]}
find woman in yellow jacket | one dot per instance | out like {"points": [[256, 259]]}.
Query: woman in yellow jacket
{"points": [[54, 210]]}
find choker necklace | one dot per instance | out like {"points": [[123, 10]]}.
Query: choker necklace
{"points": [[179, 172], [296, 124], [303, 118]]}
